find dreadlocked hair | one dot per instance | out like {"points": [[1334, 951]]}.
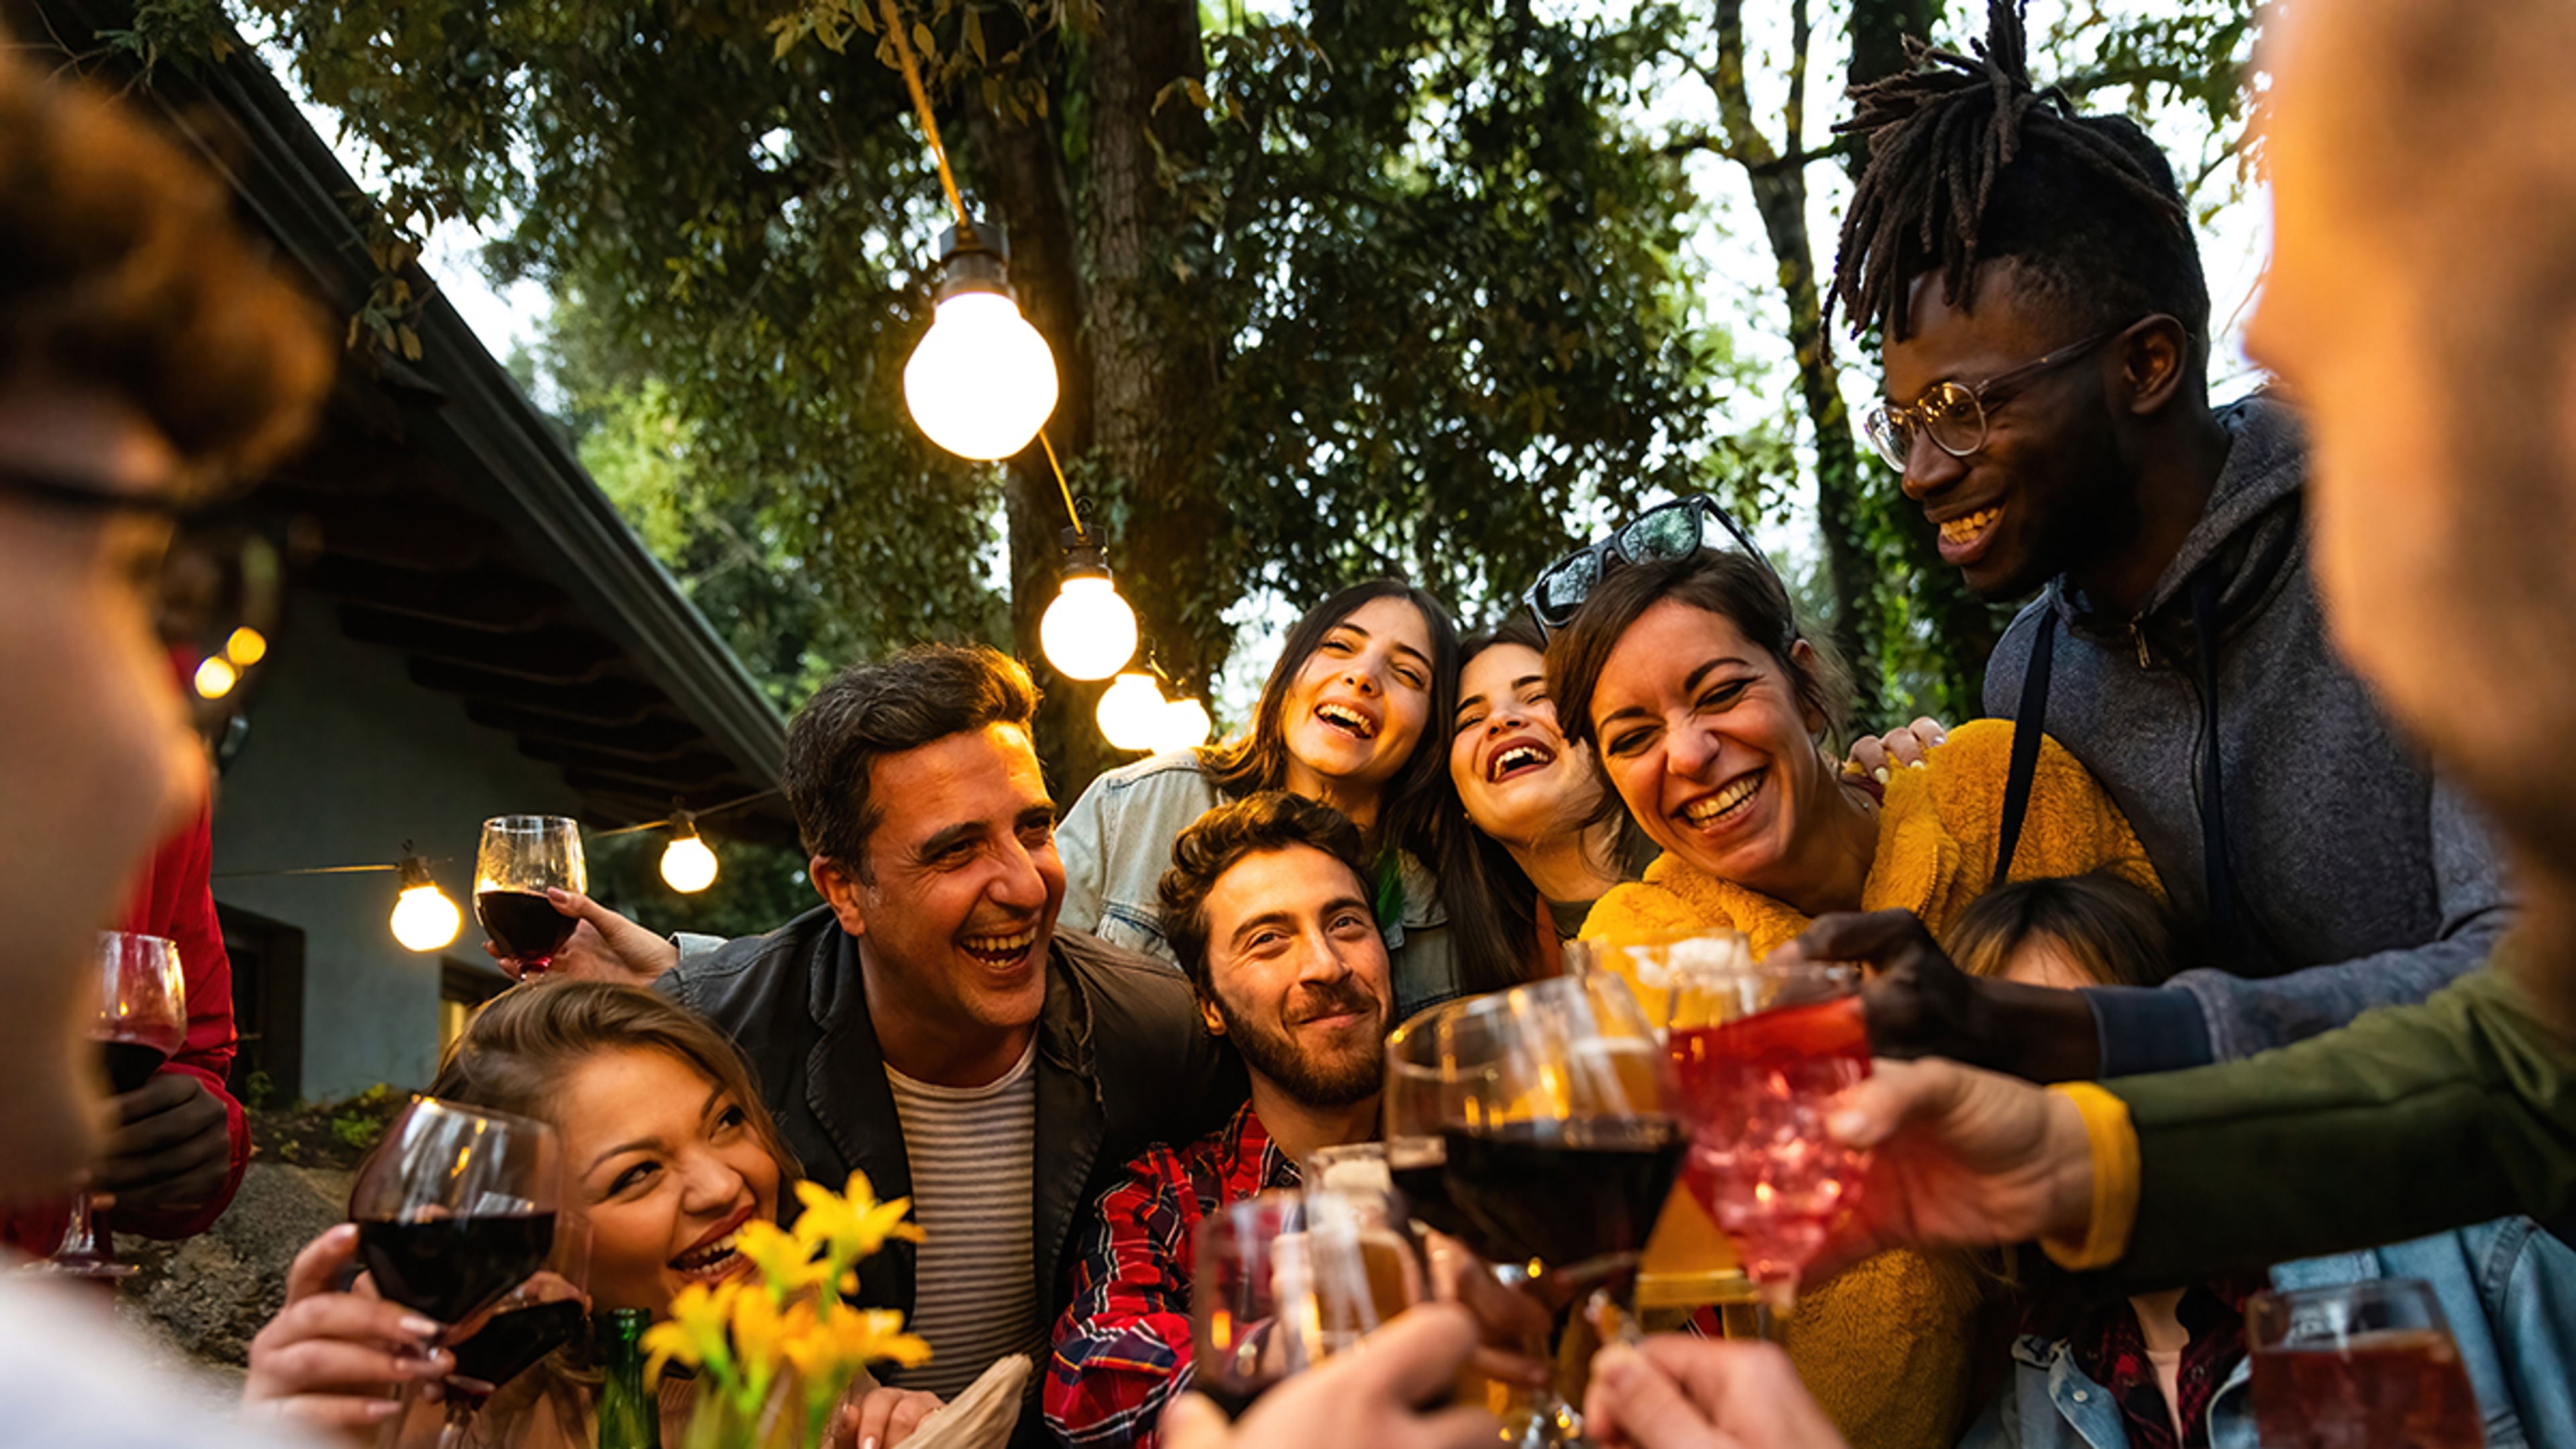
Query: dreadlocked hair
{"points": [[1969, 162]]}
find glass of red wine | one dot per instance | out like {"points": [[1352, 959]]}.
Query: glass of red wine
{"points": [[141, 1021], [548, 1311], [2367, 1365], [1282, 1280], [1535, 1125], [455, 1209], [520, 859], [1760, 1051]]}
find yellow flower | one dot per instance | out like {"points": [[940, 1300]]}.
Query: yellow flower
{"points": [[852, 1224], [695, 1332], [874, 1335], [761, 1332], [786, 1262]]}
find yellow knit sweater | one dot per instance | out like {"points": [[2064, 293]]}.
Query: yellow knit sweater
{"points": [[1884, 1346]]}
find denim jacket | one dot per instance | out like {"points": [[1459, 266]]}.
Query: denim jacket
{"points": [[2507, 1289], [1117, 842]]}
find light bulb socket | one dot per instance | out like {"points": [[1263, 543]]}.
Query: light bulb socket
{"points": [[974, 258], [415, 869], [684, 825], [1086, 555]]}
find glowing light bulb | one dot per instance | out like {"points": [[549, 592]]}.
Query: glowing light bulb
{"points": [[216, 677], [246, 647], [425, 919], [982, 380], [1185, 725], [1088, 632], [688, 866], [1131, 712]]}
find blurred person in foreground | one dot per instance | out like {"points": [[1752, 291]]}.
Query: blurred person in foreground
{"points": [[147, 357]]}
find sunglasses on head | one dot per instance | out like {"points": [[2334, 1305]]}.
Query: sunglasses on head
{"points": [[1665, 531]]}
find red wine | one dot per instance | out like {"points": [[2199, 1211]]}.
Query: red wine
{"points": [[449, 1267], [509, 1343], [524, 924], [130, 1063], [1560, 1193], [2397, 1388]]}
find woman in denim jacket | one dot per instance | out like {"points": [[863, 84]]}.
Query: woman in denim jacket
{"points": [[1364, 680], [2171, 1369]]}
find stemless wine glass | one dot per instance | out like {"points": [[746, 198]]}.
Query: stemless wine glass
{"points": [[1282, 1280], [142, 1020], [2366, 1365], [1760, 1050], [521, 857], [1534, 1125], [549, 1310]]}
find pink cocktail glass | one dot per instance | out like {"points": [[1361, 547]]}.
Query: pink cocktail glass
{"points": [[1760, 1052]]}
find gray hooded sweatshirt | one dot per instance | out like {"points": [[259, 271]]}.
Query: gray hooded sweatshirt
{"points": [[2357, 877]]}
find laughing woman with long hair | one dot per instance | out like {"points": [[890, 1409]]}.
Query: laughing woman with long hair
{"points": [[1348, 717]]}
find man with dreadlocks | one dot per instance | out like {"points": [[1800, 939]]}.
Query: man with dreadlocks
{"points": [[2033, 278]]}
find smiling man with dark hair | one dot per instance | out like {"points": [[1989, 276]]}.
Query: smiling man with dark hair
{"points": [[1266, 904], [2046, 330]]}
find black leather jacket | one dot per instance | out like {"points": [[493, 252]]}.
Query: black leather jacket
{"points": [[1123, 1063]]}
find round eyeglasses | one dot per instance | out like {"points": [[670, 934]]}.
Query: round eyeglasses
{"points": [[1953, 414]]}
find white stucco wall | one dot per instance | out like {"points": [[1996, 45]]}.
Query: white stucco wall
{"points": [[346, 759]]}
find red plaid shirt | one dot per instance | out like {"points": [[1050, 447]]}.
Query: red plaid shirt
{"points": [[1123, 1349], [2111, 1350]]}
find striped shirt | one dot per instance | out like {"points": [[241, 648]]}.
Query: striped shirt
{"points": [[972, 1151]]}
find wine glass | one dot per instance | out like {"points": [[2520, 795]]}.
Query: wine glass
{"points": [[142, 1019], [521, 857], [2367, 1365], [455, 1209], [549, 1310], [1535, 1126], [1759, 1052], [1282, 1280]]}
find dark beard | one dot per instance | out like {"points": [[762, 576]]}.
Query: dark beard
{"points": [[1271, 1052]]}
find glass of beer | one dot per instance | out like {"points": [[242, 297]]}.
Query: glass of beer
{"points": [[1283, 1280], [2366, 1365]]}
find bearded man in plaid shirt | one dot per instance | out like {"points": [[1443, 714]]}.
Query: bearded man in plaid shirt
{"points": [[1268, 910]]}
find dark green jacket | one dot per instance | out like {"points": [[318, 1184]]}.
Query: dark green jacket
{"points": [[2410, 1121]]}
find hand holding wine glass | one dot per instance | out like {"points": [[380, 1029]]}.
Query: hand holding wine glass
{"points": [[456, 1208], [142, 1018], [520, 859]]}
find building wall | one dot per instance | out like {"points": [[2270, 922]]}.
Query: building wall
{"points": [[345, 760]]}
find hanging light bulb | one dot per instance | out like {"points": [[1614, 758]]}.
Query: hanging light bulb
{"points": [[245, 647], [216, 677], [424, 918], [981, 381], [688, 866], [1185, 725], [1088, 632], [1131, 712]]}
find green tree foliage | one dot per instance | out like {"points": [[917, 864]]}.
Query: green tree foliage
{"points": [[1399, 287]]}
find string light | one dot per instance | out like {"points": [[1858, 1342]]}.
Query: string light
{"points": [[216, 677], [688, 865], [1132, 712], [981, 381], [1185, 726], [424, 918], [1088, 632]]}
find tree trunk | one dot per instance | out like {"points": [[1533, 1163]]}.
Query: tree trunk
{"points": [[1023, 162], [1154, 348]]}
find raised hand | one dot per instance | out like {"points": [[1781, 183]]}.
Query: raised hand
{"points": [[1920, 1004], [1373, 1396], [1959, 1157], [1673, 1392], [171, 1148], [339, 1361], [604, 947]]}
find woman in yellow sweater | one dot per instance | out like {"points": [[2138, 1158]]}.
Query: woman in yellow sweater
{"points": [[1709, 713]]}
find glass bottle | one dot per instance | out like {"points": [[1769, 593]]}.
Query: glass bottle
{"points": [[630, 1416]]}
